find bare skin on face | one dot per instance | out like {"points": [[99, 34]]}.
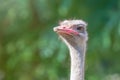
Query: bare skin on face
{"points": [[75, 28]]}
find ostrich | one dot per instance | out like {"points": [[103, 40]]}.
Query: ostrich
{"points": [[74, 35]]}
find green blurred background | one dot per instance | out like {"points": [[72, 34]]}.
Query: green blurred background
{"points": [[30, 50]]}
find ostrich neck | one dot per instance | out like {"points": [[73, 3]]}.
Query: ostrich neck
{"points": [[77, 62]]}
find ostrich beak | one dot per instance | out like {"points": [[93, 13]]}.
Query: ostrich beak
{"points": [[65, 30]]}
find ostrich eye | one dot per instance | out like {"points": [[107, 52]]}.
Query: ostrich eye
{"points": [[80, 28]]}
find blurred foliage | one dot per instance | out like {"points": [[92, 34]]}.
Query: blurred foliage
{"points": [[30, 50]]}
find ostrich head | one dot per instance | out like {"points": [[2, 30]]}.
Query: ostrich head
{"points": [[72, 32]]}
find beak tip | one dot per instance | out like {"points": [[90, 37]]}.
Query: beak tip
{"points": [[55, 29]]}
